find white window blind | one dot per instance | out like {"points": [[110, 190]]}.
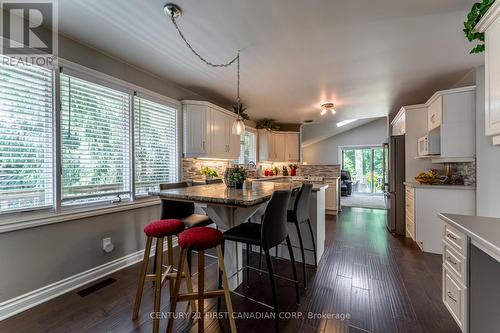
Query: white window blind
{"points": [[26, 137], [248, 148], [155, 144], [95, 142]]}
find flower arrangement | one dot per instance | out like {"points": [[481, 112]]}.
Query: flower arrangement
{"points": [[267, 124], [236, 176]]}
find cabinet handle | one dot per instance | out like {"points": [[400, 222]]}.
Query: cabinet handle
{"points": [[450, 295], [451, 236], [451, 261], [203, 145]]}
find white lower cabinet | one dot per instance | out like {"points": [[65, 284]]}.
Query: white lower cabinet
{"points": [[424, 203], [331, 196], [455, 272]]}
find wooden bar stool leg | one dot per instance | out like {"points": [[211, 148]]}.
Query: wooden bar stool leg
{"points": [[225, 284], [158, 273], [189, 285], [170, 259], [142, 278], [175, 295], [201, 291]]}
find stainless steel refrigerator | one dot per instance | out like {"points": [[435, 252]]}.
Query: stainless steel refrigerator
{"points": [[395, 189]]}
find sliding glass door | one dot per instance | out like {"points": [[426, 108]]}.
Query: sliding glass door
{"points": [[366, 166]]}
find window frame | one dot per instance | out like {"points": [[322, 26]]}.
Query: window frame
{"points": [[28, 218], [254, 132]]}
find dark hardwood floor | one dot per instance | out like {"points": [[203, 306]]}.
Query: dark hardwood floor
{"points": [[367, 281]]}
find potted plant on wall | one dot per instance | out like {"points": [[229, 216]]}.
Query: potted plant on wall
{"points": [[476, 13], [236, 177], [267, 124]]}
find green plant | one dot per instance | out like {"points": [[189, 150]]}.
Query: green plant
{"points": [[237, 175], [209, 172], [268, 124], [476, 13], [239, 108]]}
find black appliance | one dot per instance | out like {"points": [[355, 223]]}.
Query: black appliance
{"points": [[395, 191]]}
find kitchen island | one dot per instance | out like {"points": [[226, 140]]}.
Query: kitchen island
{"points": [[228, 207]]}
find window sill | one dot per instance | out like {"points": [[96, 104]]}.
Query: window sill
{"points": [[31, 220]]}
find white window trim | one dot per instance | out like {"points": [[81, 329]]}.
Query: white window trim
{"points": [[30, 219]]}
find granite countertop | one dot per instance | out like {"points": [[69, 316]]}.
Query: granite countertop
{"points": [[444, 186], [484, 232], [223, 195]]}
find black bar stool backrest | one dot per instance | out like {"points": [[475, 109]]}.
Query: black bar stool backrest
{"points": [[214, 181], [175, 209], [301, 208], [274, 225]]}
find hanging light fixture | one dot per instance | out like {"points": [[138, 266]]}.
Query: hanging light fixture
{"points": [[173, 11], [327, 107]]}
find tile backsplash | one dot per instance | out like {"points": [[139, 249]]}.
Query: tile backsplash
{"points": [[191, 168], [332, 170], [466, 170]]}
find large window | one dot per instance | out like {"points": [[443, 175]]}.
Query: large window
{"points": [[26, 132], [95, 141], [111, 138], [155, 144], [248, 148]]}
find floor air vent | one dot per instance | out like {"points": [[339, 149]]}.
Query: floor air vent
{"points": [[95, 287]]}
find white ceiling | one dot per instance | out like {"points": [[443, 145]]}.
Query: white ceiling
{"points": [[369, 57]]}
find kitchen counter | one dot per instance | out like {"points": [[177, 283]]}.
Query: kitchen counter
{"points": [[445, 186], [484, 232]]}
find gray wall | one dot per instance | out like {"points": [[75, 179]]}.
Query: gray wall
{"points": [[33, 258], [327, 151], [488, 159]]}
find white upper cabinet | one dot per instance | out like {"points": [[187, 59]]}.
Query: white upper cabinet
{"points": [[490, 25], [279, 146], [398, 124], [435, 113], [208, 131], [292, 144], [453, 113], [197, 126]]}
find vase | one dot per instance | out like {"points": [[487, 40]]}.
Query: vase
{"points": [[239, 185]]}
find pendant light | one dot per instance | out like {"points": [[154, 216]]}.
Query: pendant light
{"points": [[173, 11], [238, 124]]}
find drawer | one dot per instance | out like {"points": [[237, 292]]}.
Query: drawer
{"points": [[455, 298], [455, 239], [455, 262]]}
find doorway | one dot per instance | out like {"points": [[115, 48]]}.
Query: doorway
{"points": [[366, 166]]}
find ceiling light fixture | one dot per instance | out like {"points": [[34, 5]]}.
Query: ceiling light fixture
{"points": [[173, 11], [327, 107], [345, 122]]}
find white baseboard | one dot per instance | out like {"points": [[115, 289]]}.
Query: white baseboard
{"points": [[24, 302]]}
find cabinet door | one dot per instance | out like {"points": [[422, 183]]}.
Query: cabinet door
{"points": [[219, 135], [331, 196], [435, 113], [196, 123], [279, 147], [492, 79], [292, 147]]}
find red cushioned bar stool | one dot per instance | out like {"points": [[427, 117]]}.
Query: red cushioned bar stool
{"points": [[201, 239], [159, 230]]}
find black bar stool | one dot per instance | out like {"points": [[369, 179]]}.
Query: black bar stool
{"points": [[300, 215], [270, 233], [214, 181], [183, 211]]}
